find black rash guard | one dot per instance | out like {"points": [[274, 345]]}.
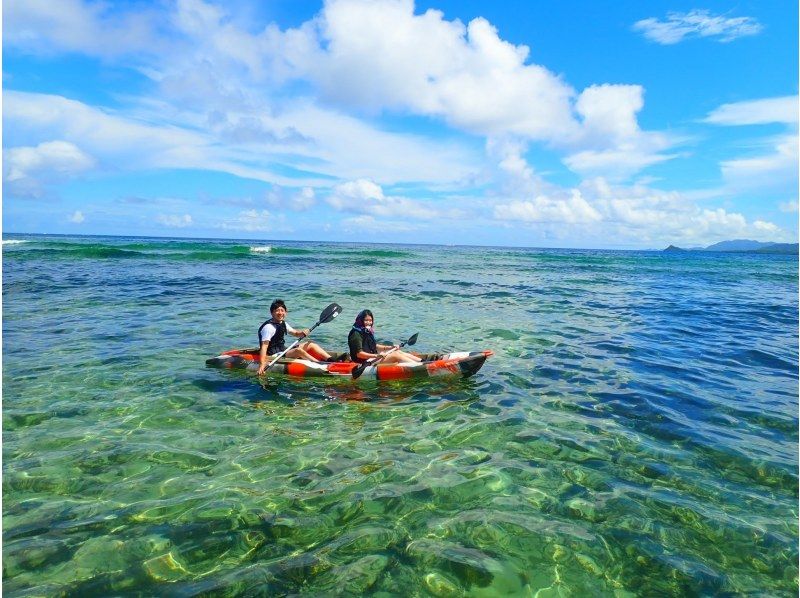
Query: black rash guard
{"points": [[360, 340]]}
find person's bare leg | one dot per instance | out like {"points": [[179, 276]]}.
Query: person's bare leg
{"points": [[400, 357], [316, 351], [298, 353]]}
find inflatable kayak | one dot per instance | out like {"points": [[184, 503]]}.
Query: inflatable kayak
{"points": [[463, 364]]}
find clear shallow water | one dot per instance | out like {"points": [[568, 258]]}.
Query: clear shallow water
{"points": [[635, 433]]}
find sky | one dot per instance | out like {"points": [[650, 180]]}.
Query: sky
{"points": [[622, 125]]}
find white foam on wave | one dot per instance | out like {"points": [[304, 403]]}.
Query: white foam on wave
{"points": [[261, 249], [13, 241]]}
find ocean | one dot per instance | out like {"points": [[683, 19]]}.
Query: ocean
{"points": [[635, 433]]}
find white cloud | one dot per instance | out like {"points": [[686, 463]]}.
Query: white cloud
{"points": [[53, 156], [765, 226], [696, 23], [250, 221], [609, 112], [366, 197], [618, 163], [517, 177], [788, 206], [103, 133], [570, 209], [598, 212], [77, 217], [773, 164], [370, 224], [756, 112], [344, 146], [72, 25], [381, 55], [27, 170], [612, 144], [285, 199], [775, 170], [175, 220]]}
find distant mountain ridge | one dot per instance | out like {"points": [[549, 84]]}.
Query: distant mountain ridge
{"points": [[744, 246], [737, 245]]}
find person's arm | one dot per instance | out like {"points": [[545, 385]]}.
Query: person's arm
{"points": [[262, 358], [298, 333]]}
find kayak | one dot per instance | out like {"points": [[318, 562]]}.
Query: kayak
{"points": [[463, 364]]}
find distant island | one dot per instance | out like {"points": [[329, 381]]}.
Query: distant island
{"points": [[743, 246]]}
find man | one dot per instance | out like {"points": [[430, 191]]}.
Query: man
{"points": [[271, 339]]}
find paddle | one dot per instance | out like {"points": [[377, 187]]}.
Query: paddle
{"points": [[357, 371], [327, 315]]}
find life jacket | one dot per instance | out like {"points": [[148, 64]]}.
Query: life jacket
{"points": [[368, 344], [276, 343]]}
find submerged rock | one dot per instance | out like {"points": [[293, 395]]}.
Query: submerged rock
{"points": [[358, 577], [441, 585], [165, 568]]}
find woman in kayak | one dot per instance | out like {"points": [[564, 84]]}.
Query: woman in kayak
{"points": [[363, 346], [271, 339]]}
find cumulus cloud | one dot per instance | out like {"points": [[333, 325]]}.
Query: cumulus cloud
{"points": [[175, 220], [380, 54], [77, 217], [696, 23], [756, 112], [613, 145], [367, 197], [765, 226], [598, 210], [571, 209], [27, 170], [516, 176]]}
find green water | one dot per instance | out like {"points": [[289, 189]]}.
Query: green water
{"points": [[634, 435]]}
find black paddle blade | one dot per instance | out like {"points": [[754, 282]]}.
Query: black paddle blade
{"points": [[412, 340], [358, 370], [329, 313]]}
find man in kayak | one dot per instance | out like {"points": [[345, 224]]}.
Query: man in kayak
{"points": [[271, 339], [363, 346]]}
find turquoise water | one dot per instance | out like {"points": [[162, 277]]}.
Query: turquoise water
{"points": [[635, 434]]}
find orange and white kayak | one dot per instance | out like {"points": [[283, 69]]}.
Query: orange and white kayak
{"points": [[463, 364]]}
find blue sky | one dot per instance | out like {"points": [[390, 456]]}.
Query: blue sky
{"points": [[546, 124]]}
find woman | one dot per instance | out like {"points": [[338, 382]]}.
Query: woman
{"points": [[363, 346]]}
